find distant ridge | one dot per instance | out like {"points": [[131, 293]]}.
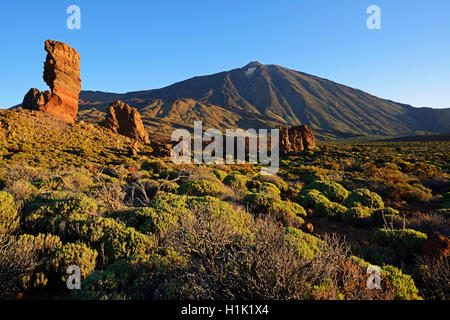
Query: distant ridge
{"points": [[268, 96]]}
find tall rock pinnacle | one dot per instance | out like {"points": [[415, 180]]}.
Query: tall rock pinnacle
{"points": [[62, 75]]}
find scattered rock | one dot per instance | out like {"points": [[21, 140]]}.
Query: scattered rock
{"points": [[309, 142], [436, 246], [308, 228], [62, 75], [296, 139], [126, 120]]}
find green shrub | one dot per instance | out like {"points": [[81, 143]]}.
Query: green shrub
{"points": [[388, 211], [217, 209], [358, 216], [48, 183], [235, 180], [220, 174], [276, 180], [311, 198], [294, 190], [74, 254], [376, 255], [163, 213], [403, 242], [268, 189], [330, 189], [364, 198], [321, 206], [115, 239], [401, 284], [9, 219], [166, 210], [253, 184], [258, 203], [200, 188], [307, 174], [78, 181], [44, 244], [132, 278], [288, 213], [380, 216], [306, 245], [50, 212], [329, 209], [154, 165], [168, 186], [141, 191]]}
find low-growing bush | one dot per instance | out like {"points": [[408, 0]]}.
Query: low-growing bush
{"points": [[377, 255], [154, 165], [168, 186], [44, 245], [235, 180], [77, 181], [48, 183], [132, 278], [404, 242], [330, 189], [360, 216], [307, 174], [364, 198], [142, 191], [329, 209], [17, 262], [306, 245], [200, 188], [402, 284], [311, 198], [276, 180], [9, 218], [220, 174], [289, 213], [267, 188], [22, 191], [114, 240], [73, 254], [50, 212]]}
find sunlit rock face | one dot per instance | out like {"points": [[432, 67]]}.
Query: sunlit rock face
{"points": [[62, 75]]}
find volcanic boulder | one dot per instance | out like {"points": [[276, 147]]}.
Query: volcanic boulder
{"points": [[125, 120], [309, 142], [62, 75], [296, 139]]}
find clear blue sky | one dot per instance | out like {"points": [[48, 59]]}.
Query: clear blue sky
{"points": [[136, 45]]}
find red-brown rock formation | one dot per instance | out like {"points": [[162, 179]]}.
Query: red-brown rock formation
{"points": [[62, 75], [126, 120], [296, 139], [309, 142]]}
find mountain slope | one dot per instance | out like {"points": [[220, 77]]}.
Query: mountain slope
{"points": [[271, 95]]}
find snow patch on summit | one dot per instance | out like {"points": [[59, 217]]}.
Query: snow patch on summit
{"points": [[249, 71]]}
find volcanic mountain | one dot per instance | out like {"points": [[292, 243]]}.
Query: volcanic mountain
{"points": [[263, 96]]}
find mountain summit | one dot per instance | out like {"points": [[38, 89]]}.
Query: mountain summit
{"points": [[271, 95]]}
